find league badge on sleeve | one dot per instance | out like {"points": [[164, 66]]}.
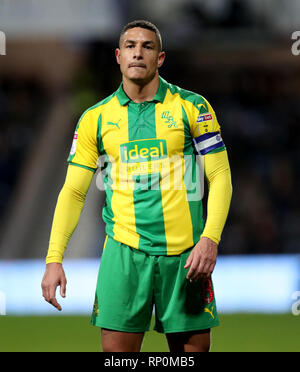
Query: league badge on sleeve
{"points": [[205, 123], [74, 144], [204, 117]]}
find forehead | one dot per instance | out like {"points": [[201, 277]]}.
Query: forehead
{"points": [[139, 34]]}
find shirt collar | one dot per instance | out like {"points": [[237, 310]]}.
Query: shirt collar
{"points": [[159, 96]]}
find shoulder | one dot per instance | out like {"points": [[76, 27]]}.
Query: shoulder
{"points": [[190, 97], [90, 120], [96, 110]]}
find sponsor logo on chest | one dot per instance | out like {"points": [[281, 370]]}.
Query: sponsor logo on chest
{"points": [[143, 150]]}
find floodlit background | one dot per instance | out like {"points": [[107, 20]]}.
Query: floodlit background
{"points": [[238, 54]]}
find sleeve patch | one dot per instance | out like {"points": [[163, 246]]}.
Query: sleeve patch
{"points": [[74, 144], [202, 118]]}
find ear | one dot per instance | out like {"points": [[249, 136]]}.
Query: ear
{"points": [[161, 58], [117, 54]]}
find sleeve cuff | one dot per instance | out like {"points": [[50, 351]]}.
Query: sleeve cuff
{"points": [[204, 235]]}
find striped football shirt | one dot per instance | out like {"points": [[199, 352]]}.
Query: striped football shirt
{"points": [[147, 154]]}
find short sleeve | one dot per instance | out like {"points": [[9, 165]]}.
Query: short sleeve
{"points": [[206, 130], [84, 150]]}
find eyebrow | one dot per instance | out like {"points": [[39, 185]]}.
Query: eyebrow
{"points": [[128, 41]]}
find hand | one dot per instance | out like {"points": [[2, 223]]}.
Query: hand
{"points": [[54, 277], [202, 259]]}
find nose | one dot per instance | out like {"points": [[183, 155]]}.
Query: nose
{"points": [[138, 52]]}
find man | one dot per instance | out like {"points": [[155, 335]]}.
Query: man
{"points": [[157, 250]]}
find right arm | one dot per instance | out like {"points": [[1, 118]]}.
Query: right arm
{"points": [[66, 217]]}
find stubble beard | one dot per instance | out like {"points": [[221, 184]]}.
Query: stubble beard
{"points": [[142, 81]]}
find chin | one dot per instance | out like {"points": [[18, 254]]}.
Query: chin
{"points": [[137, 79], [137, 75], [141, 79]]}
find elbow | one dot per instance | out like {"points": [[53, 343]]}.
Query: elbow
{"points": [[76, 194]]}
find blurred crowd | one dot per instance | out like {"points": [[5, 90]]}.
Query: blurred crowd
{"points": [[22, 112], [263, 144]]}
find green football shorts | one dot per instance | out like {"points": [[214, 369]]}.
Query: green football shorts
{"points": [[132, 283]]}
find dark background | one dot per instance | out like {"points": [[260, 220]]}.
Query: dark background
{"points": [[237, 54]]}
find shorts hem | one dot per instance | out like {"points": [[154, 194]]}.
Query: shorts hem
{"points": [[195, 328], [100, 324]]}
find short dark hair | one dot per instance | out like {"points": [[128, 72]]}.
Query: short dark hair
{"points": [[143, 24]]}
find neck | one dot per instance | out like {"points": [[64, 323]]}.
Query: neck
{"points": [[141, 92]]}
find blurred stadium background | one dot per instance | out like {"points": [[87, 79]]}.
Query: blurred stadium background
{"points": [[59, 61]]}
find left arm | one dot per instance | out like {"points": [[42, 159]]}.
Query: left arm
{"points": [[202, 259]]}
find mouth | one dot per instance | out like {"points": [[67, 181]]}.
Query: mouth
{"points": [[140, 65]]}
